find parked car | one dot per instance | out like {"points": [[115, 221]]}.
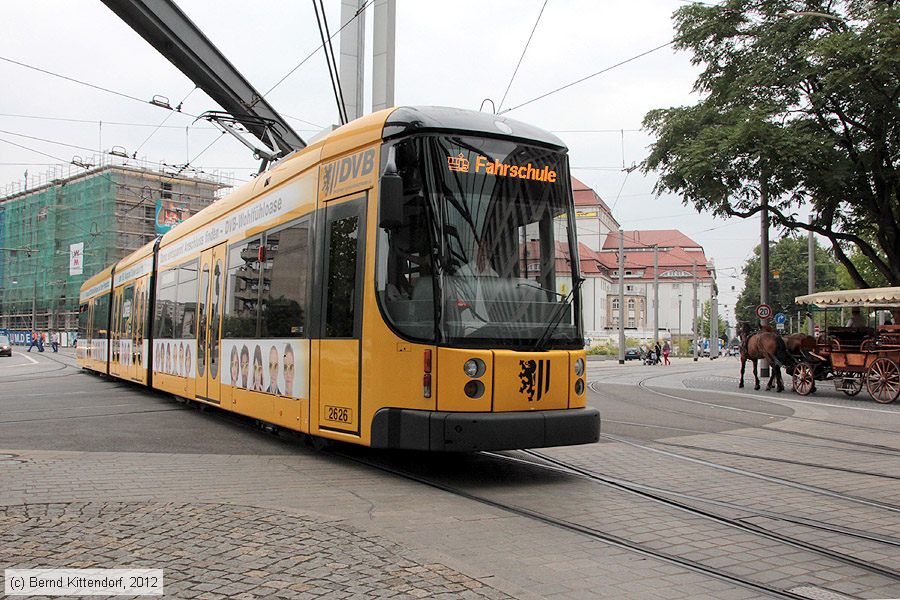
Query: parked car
{"points": [[632, 353], [5, 346]]}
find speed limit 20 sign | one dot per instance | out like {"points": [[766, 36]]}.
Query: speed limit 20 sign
{"points": [[763, 311]]}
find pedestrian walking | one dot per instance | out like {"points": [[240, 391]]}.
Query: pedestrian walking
{"points": [[40, 343], [34, 338], [658, 351], [54, 341], [665, 351]]}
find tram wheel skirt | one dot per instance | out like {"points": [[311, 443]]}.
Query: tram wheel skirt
{"points": [[468, 432]]}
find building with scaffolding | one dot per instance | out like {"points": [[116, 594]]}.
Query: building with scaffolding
{"points": [[73, 222]]}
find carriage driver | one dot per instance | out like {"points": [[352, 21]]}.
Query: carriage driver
{"points": [[856, 320]]}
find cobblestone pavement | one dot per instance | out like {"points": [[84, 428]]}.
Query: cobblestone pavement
{"points": [[225, 551]]}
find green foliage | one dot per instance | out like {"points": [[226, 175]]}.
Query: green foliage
{"points": [[706, 320], [683, 347], [610, 348], [788, 257], [872, 276], [800, 105], [602, 350]]}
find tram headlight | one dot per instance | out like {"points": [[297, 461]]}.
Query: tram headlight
{"points": [[474, 367], [579, 387], [474, 389], [579, 367]]}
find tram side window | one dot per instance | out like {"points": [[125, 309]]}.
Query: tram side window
{"points": [[340, 306], [242, 290], [404, 273], [186, 301], [100, 331], [163, 327], [82, 321], [285, 273]]}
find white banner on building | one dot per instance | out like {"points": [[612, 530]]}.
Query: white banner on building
{"points": [[76, 258]]}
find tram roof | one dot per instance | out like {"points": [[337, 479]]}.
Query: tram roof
{"points": [[884, 297], [405, 120]]}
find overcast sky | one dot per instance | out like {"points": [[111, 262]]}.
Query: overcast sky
{"points": [[451, 54]]}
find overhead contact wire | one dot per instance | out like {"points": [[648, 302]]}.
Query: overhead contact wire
{"points": [[525, 49]]}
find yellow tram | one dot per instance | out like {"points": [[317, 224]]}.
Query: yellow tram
{"points": [[407, 281]]}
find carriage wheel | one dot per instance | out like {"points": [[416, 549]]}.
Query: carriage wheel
{"points": [[803, 379], [883, 380], [851, 385]]}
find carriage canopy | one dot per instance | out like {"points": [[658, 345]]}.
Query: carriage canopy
{"points": [[887, 297]]}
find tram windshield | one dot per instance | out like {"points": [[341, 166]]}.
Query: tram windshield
{"points": [[474, 248]]}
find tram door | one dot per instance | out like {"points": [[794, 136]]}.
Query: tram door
{"points": [[138, 316], [209, 329], [343, 263], [114, 361], [124, 342]]}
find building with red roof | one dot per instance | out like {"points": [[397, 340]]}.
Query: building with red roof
{"points": [[681, 263], [682, 266]]}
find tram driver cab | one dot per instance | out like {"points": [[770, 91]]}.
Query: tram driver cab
{"points": [[494, 251]]}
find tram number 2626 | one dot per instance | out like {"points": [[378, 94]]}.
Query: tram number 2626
{"points": [[337, 414]]}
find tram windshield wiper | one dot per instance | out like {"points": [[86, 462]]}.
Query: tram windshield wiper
{"points": [[543, 289], [557, 316]]}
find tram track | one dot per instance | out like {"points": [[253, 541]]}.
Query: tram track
{"points": [[854, 445], [785, 461], [757, 512], [642, 385], [732, 434], [634, 546], [658, 495], [589, 532], [760, 476], [97, 416], [43, 373]]}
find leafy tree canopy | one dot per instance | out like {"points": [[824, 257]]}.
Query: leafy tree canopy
{"points": [[799, 104], [787, 258]]}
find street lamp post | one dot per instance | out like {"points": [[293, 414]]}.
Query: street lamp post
{"points": [[764, 261], [811, 272], [679, 322], [695, 325], [621, 296]]}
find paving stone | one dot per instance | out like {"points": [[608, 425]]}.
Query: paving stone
{"points": [[95, 529]]}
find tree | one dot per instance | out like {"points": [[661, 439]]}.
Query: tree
{"points": [[865, 268], [787, 258], [799, 107], [706, 319]]}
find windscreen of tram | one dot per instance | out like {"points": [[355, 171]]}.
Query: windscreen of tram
{"points": [[480, 252]]}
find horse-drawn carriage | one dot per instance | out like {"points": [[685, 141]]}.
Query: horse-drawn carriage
{"points": [[851, 357]]}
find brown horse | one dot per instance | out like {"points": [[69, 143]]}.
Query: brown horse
{"points": [[796, 343], [763, 345]]}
